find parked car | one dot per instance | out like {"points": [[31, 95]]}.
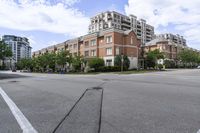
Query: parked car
{"points": [[198, 67]]}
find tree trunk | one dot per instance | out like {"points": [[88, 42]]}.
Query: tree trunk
{"points": [[3, 64]]}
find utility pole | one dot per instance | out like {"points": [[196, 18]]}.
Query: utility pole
{"points": [[122, 62], [122, 56]]}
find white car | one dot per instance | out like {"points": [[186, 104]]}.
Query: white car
{"points": [[198, 67]]}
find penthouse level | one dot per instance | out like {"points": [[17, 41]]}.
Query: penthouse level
{"points": [[112, 19], [104, 44]]}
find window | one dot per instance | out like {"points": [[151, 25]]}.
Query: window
{"points": [[93, 42], [117, 51], [109, 39], [86, 44], [60, 50], [109, 62], [163, 47], [131, 40], [75, 46], [70, 46], [93, 53], [160, 48], [86, 53], [109, 51]]}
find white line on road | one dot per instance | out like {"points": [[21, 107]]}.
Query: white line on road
{"points": [[21, 119], [198, 131]]}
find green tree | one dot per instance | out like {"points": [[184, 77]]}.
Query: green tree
{"points": [[50, 60], [41, 62], [152, 57], [96, 63], [35, 66], [77, 60], [63, 58], [169, 63], [118, 61], [5, 52], [198, 60], [188, 56], [25, 63]]}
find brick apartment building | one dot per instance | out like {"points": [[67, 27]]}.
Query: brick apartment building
{"points": [[171, 45], [104, 44], [169, 48], [111, 34]]}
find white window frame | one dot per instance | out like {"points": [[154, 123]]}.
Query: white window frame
{"points": [[86, 44], [109, 39], [117, 51], [93, 53], [75, 46], [109, 62], [93, 42], [109, 51], [88, 53], [131, 40]]}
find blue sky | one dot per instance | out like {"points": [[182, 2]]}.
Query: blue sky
{"points": [[47, 22]]}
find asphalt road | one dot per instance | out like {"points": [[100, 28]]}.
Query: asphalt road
{"points": [[159, 102]]}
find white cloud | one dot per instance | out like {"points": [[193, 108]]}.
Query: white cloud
{"points": [[183, 14], [114, 7], [32, 40], [57, 16]]}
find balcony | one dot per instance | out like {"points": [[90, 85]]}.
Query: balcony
{"points": [[139, 26], [126, 25], [128, 22]]}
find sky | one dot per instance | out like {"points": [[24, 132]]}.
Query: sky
{"points": [[48, 22]]}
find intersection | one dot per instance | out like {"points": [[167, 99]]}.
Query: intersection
{"points": [[158, 102]]}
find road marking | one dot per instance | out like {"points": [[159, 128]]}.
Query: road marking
{"points": [[198, 131], [21, 119]]}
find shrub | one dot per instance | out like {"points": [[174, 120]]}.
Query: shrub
{"points": [[160, 66], [169, 64], [152, 57], [96, 63], [109, 69], [118, 61]]}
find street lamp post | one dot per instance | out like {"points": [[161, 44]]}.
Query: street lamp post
{"points": [[122, 62]]}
